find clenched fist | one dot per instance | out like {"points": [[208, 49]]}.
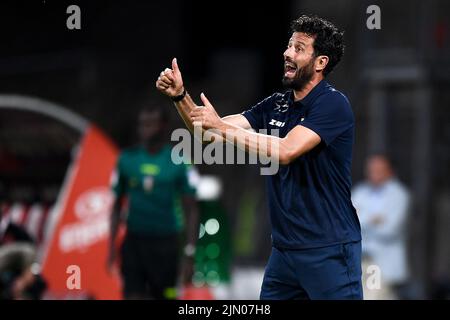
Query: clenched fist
{"points": [[170, 81]]}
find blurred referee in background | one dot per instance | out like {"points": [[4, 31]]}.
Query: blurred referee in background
{"points": [[157, 191]]}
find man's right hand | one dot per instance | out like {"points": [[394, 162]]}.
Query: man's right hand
{"points": [[170, 81]]}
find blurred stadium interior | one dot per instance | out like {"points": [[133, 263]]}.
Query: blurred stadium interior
{"points": [[397, 79]]}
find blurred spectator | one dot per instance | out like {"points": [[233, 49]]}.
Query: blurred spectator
{"points": [[11, 232], [154, 186], [19, 270], [382, 204]]}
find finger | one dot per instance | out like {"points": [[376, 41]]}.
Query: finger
{"points": [[166, 80], [169, 74], [199, 109], [195, 113], [162, 86], [175, 67], [161, 82], [205, 100], [196, 110], [195, 116]]}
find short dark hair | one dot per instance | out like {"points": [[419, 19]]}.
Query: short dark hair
{"points": [[328, 39], [384, 156]]}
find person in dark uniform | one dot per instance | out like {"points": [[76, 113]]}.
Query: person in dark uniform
{"points": [[316, 237], [157, 191]]}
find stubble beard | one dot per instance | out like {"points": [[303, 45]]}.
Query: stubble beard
{"points": [[302, 77]]}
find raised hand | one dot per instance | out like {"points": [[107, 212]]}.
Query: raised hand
{"points": [[206, 115], [170, 81]]}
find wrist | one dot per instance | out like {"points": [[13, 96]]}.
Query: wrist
{"points": [[221, 125], [180, 96]]}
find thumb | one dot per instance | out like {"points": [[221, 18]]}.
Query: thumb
{"points": [[205, 100], [175, 67]]}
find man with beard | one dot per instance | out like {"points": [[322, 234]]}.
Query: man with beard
{"points": [[156, 189], [316, 238]]}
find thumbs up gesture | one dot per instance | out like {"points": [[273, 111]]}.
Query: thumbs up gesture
{"points": [[170, 81]]}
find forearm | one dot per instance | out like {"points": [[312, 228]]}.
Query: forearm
{"points": [[265, 146], [184, 107]]}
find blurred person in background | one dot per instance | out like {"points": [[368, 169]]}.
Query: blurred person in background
{"points": [[20, 277], [156, 190], [382, 203]]}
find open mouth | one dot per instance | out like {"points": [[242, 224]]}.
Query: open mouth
{"points": [[289, 69]]}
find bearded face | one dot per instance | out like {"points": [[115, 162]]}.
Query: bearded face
{"points": [[299, 60], [296, 77]]}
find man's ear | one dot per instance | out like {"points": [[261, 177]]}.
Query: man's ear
{"points": [[321, 63]]}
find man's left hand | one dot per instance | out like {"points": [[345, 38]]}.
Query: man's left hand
{"points": [[205, 116]]}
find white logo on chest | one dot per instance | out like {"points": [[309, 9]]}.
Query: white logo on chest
{"points": [[277, 123], [147, 183]]}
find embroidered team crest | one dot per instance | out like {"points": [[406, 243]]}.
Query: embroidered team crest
{"points": [[281, 105]]}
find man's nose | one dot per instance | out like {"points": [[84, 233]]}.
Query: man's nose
{"points": [[287, 54]]}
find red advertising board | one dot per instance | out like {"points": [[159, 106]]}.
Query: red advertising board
{"points": [[74, 263]]}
